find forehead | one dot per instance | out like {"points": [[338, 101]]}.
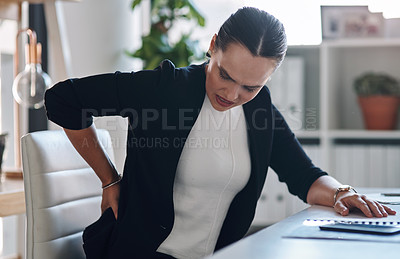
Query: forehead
{"points": [[243, 67]]}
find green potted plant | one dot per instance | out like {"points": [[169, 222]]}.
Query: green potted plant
{"points": [[378, 96], [156, 46]]}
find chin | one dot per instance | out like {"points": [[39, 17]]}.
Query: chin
{"points": [[217, 107]]}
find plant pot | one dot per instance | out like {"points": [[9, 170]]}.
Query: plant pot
{"points": [[379, 112]]}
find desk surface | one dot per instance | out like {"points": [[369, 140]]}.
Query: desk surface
{"points": [[271, 243], [12, 197]]}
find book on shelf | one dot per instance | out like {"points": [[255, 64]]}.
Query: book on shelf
{"points": [[287, 91]]}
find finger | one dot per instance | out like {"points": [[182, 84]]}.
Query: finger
{"points": [[389, 210], [382, 209], [373, 207], [115, 210], [356, 201], [341, 209], [361, 205]]}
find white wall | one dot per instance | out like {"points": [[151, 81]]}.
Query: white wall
{"points": [[215, 13], [97, 33]]}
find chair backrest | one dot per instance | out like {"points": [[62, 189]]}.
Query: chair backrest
{"points": [[62, 193]]}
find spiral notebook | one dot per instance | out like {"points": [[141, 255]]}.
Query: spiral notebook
{"points": [[376, 229], [310, 229]]}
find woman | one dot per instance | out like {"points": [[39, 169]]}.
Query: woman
{"points": [[200, 141]]}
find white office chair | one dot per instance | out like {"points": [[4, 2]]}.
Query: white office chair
{"points": [[62, 193]]}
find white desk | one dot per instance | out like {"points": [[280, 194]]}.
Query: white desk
{"points": [[270, 243]]}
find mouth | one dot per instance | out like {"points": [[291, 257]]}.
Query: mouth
{"points": [[223, 102]]}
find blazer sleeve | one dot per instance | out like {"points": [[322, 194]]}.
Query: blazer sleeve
{"points": [[289, 160], [73, 103]]}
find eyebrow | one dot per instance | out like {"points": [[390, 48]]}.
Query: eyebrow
{"points": [[223, 71]]}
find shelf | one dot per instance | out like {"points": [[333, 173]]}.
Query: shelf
{"points": [[364, 134], [352, 43], [341, 63], [359, 43], [349, 134], [8, 11], [303, 46], [307, 134], [337, 141]]}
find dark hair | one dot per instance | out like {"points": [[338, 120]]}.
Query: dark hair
{"points": [[260, 32]]}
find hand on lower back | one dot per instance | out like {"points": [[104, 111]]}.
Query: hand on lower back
{"points": [[110, 199]]}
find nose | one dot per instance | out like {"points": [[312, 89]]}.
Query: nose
{"points": [[232, 92]]}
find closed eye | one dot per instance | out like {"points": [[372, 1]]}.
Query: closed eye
{"points": [[250, 88], [224, 76]]}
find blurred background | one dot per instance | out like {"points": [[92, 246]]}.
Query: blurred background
{"points": [[314, 88]]}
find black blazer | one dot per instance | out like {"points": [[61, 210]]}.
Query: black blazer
{"points": [[162, 105]]}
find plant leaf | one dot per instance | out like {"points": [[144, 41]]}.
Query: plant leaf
{"points": [[135, 3], [195, 13], [376, 84], [156, 46]]}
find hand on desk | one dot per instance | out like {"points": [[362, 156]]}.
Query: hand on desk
{"points": [[348, 201]]}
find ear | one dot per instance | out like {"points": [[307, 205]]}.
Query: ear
{"points": [[212, 43]]}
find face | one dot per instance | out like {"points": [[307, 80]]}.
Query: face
{"points": [[235, 76]]}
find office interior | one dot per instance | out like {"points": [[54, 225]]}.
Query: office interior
{"points": [[317, 98]]}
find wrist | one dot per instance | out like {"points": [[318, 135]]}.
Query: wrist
{"points": [[341, 190], [113, 182]]}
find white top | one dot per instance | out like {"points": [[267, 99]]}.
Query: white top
{"points": [[214, 166]]}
